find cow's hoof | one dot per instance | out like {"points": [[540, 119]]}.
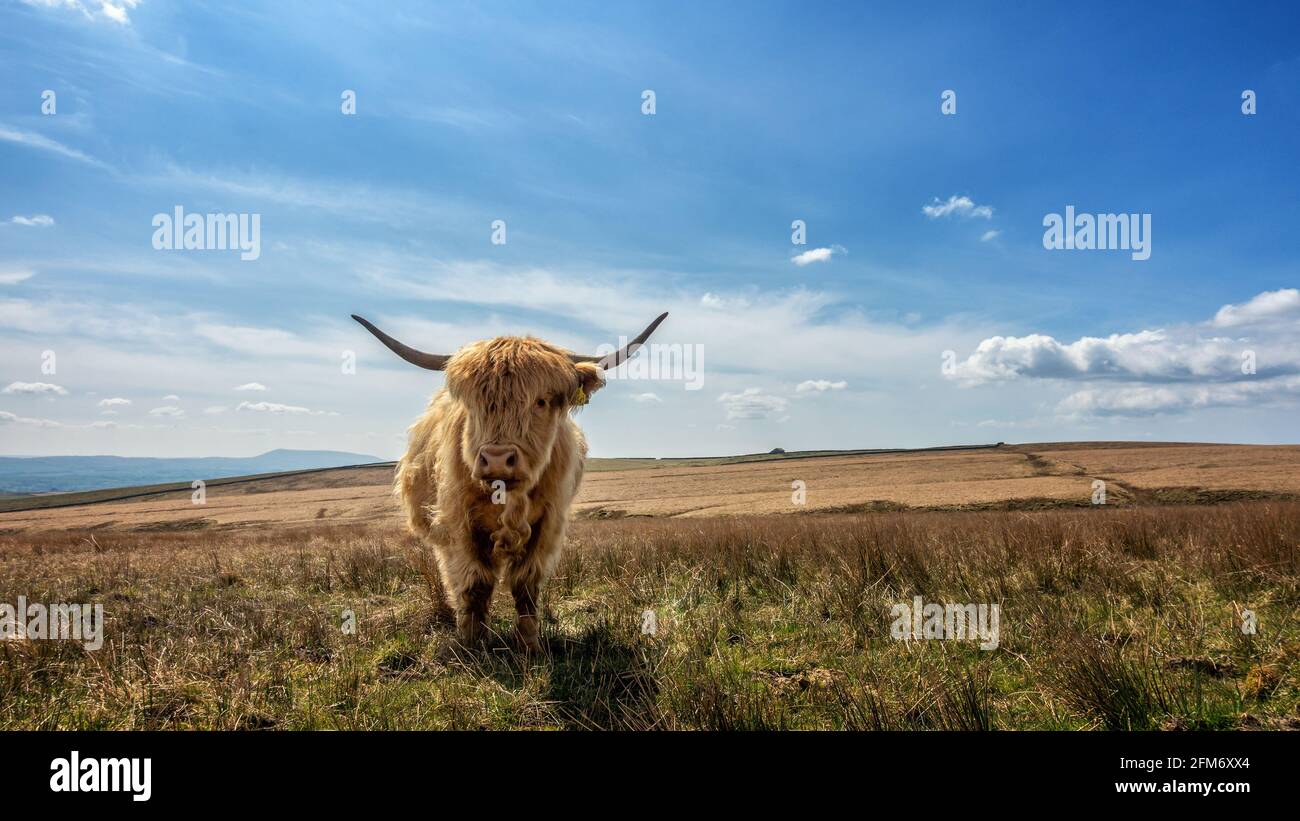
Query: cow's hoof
{"points": [[527, 641]]}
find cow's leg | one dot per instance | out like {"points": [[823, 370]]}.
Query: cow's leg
{"points": [[527, 589], [527, 575], [472, 603], [469, 582]]}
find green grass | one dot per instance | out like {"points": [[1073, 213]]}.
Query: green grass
{"points": [[1123, 619]]}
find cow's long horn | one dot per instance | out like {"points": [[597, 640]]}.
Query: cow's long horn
{"points": [[613, 360], [431, 361]]}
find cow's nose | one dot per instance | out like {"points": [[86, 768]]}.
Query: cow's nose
{"points": [[497, 462]]}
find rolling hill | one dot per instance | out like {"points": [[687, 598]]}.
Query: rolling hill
{"points": [[55, 474]]}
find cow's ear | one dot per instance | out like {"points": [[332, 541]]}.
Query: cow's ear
{"points": [[590, 379]]}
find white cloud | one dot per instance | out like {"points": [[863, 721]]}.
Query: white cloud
{"points": [[115, 402], [752, 403], [1269, 305], [171, 397], [275, 407], [820, 386], [645, 397], [170, 411], [962, 206], [251, 386], [34, 221], [7, 418], [989, 236], [34, 388], [1169, 370], [215, 410], [14, 277], [817, 255], [1146, 400]]}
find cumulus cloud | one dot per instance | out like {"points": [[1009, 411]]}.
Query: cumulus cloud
{"points": [[34, 389], [820, 386], [752, 403], [956, 206], [170, 411], [1268, 306], [989, 236], [815, 255], [1169, 370], [1158, 355], [646, 397], [171, 397], [34, 221], [251, 386]]}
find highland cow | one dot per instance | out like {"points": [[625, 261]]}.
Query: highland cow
{"points": [[492, 467]]}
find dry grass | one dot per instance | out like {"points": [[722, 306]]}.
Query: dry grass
{"points": [[1111, 618], [1012, 477]]}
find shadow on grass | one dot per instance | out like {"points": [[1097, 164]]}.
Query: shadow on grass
{"points": [[600, 682]]}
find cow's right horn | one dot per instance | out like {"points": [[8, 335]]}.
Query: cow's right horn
{"points": [[430, 361], [623, 354]]}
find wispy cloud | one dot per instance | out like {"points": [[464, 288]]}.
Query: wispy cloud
{"points": [[35, 389], [116, 11], [820, 386], [752, 403], [40, 142], [275, 407], [14, 277]]}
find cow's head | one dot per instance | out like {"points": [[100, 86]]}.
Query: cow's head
{"points": [[516, 391]]}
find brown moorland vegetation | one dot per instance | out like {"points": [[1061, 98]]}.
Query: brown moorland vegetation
{"points": [[1115, 617]]}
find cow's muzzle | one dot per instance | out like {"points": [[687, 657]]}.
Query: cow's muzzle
{"points": [[498, 463]]}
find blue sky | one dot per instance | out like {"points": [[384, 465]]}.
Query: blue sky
{"points": [[765, 113]]}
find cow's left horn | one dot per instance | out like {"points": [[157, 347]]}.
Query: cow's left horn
{"points": [[623, 354], [431, 361]]}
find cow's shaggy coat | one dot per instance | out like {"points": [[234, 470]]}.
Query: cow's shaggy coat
{"points": [[492, 467], [515, 390]]}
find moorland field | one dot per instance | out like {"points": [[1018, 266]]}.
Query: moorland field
{"points": [[767, 613]]}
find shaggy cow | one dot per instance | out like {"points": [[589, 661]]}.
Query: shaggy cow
{"points": [[493, 464]]}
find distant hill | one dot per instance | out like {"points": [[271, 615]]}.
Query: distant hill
{"points": [[50, 474]]}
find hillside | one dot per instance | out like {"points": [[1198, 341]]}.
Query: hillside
{"points": [[55, 474], [1028, 476]]}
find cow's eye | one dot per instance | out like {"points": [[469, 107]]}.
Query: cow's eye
{"points": [[541, 403]]}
